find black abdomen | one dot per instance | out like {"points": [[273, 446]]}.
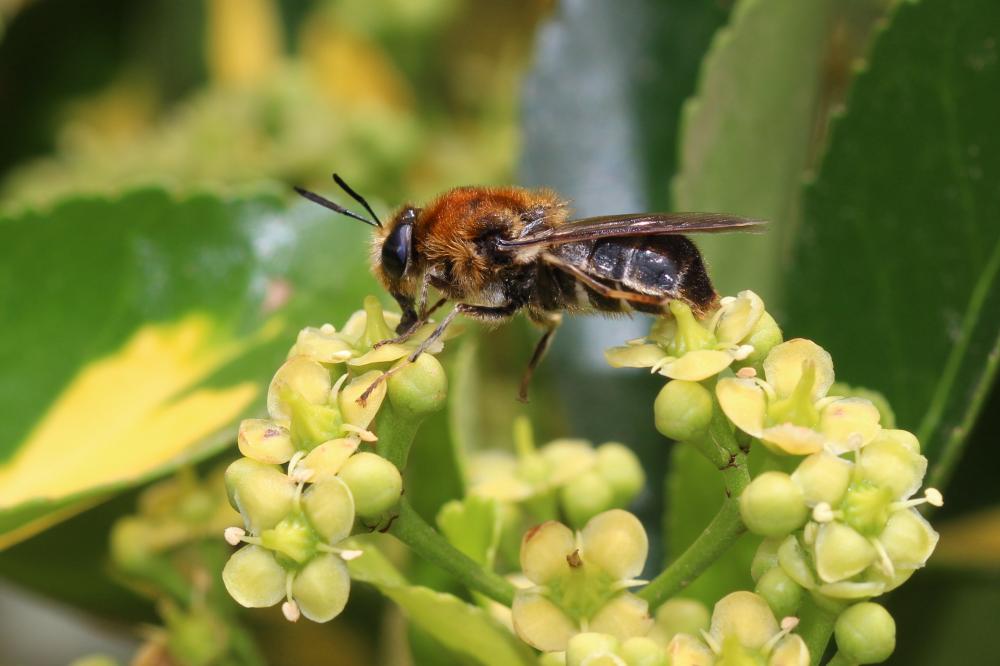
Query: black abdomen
{"points": [[667, 267]]}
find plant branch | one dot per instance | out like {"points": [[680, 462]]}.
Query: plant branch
{"points": [[412, 530], [815, 628], [721, 447]]}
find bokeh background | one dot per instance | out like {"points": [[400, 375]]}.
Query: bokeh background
{"points": [[154, 266]]}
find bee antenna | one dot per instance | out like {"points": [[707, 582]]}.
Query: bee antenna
{"points": [[357, 197], [326, 203]]}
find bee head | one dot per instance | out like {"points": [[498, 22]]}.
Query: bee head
{"points": [[397, 245]]}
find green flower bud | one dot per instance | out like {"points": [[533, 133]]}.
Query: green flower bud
{"points": [[780, 592], [621, 468], [773, 505], [585, 646], [418, 388], [586, 496], [765, 559], [682, 410], [131, 543], [866, 633], [642, 651], [680, 616], [254, 578], [321, 588], [262, 493], [375, 483]]}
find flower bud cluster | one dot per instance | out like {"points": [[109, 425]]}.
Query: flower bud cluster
{"points": [[579, 581], [566, 477], [321, 403]]}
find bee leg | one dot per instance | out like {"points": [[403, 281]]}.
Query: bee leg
{"points": [[536, 357], [409, 331], [475, 311]]}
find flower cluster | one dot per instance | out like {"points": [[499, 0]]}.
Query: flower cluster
{"points": [[580, 581], [568, 477], [295, 519], [742, 630], [739, 332]]}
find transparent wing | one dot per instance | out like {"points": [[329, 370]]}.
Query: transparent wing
{"points": [[636, 224]]}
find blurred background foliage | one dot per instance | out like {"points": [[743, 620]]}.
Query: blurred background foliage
{"points": [[154, 267]]}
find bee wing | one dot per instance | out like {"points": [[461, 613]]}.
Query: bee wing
{"points": [[638, 224]]}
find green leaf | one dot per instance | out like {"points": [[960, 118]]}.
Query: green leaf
{"points": [[754, 127], [472, 525], [896, 273], [139, 330], [463, 628]]}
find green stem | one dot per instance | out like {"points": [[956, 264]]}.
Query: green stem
{"points": [[840, 660], [815, 628], [721, 448], [412, 530], [395, 434]]}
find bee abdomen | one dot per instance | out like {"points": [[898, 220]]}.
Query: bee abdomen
{"points": [[667, 267]]}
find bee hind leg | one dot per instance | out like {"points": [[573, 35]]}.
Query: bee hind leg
{"points": [[550, 323]]}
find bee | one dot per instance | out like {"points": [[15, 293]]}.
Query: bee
{"points": [[498, 251]]}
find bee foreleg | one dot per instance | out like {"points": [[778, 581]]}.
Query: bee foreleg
{"points": [[476, 311], [414, 327], [536, 357]]}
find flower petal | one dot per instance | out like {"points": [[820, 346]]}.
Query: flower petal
{"points": [[738, 317], [852, 590], [686, 650], [567, 459], [383, 354], [792, 560], [908, 539], [841, 552], [303, 375], [540, 623], [746, 616], [847, 418], [890, 464], [254, 578], [698, 365], [624, 616], [783, 367], [616, 542], [743, 402], [544, 549], [362, 415], [823, 477], [324, 461], [325, 346], [322, 587], [265, 440], [329, 506], [790, 651], [792, 439], [634, 356]]}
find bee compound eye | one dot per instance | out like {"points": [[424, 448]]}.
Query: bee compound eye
{"points": [[396, 250]]}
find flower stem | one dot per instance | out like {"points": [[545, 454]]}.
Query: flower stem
{"points": [[840, 660], [725, 528], [395, 435], [412, 530], [815, 628]]}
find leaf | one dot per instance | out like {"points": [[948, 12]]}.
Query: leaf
{"points": [[754, 127], [896, 272], [139, 330], [466, 629]]}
